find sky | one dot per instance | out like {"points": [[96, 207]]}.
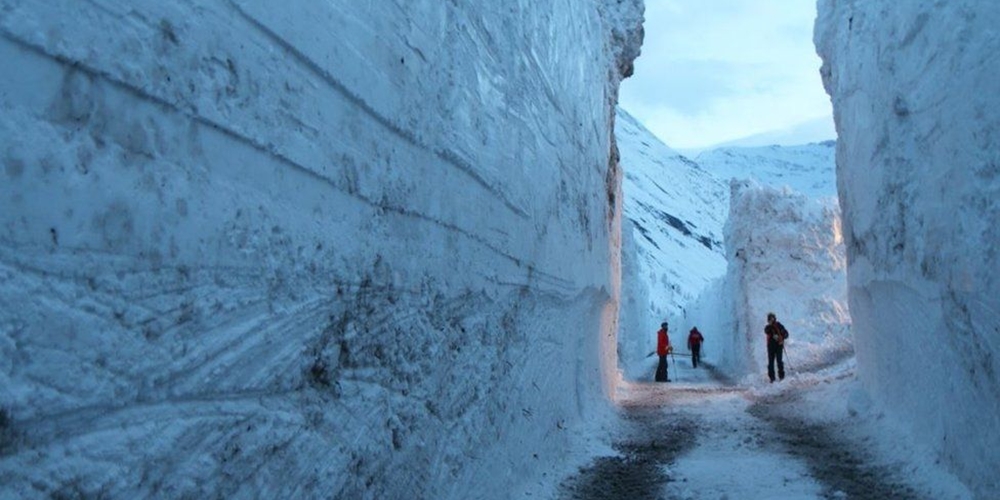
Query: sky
{"points": [[729, 71]]}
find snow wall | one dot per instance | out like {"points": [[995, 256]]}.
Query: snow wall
{"points": [[785, 256], [301, 249], [635, 320], [918, 166]]}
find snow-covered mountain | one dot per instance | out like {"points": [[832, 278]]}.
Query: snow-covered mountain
{"points": [[810, 131], [917, 181], [808, 169], [913, 88], [304, 249]]}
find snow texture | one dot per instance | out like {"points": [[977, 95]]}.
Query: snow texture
{"points": [[304, 249], [918, 168]]}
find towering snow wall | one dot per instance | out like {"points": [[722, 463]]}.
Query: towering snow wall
{"points": [[918, 163], [785, 256], [303, 249], [636, 325]]}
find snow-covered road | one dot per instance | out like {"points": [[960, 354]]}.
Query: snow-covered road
{"points": [[702, 437]]}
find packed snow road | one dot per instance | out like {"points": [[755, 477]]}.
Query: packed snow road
{"points": [[701, 437]]}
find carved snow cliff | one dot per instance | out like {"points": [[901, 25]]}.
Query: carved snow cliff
{"points": [[918, 172], [303, 249]]}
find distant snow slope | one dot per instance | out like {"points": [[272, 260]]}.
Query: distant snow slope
{"points": [[816, 130], [913, 86], [674, 211], [303, 249], [808, 169]]}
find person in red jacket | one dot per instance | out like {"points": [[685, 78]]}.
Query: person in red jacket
{"points": [[662, 349], [694, 345]]}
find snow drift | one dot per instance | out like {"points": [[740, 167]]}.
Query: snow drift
{"points": [[919, 180], [303, 249]]}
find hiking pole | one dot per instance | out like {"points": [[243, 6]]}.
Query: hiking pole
{"points": [[784, 356], [682, 353]]}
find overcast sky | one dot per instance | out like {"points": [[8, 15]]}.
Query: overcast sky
{"points": [[714, 71]]}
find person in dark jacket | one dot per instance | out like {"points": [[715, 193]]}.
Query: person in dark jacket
{"points": [[776, 334], [662, 349], [694, 345]]}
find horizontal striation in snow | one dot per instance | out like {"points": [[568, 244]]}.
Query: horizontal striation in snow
{"points": [[301, 249]]}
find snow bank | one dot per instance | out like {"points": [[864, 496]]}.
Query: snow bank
{"points": [[304, 249], [635, 322], [785, 256], [917, 167]]}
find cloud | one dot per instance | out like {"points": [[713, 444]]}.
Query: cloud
{"points": [[716, 71], [686, 86]]}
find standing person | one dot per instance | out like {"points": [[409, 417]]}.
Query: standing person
{"points": [[776, 334], [694, 345], [662, 349]]}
